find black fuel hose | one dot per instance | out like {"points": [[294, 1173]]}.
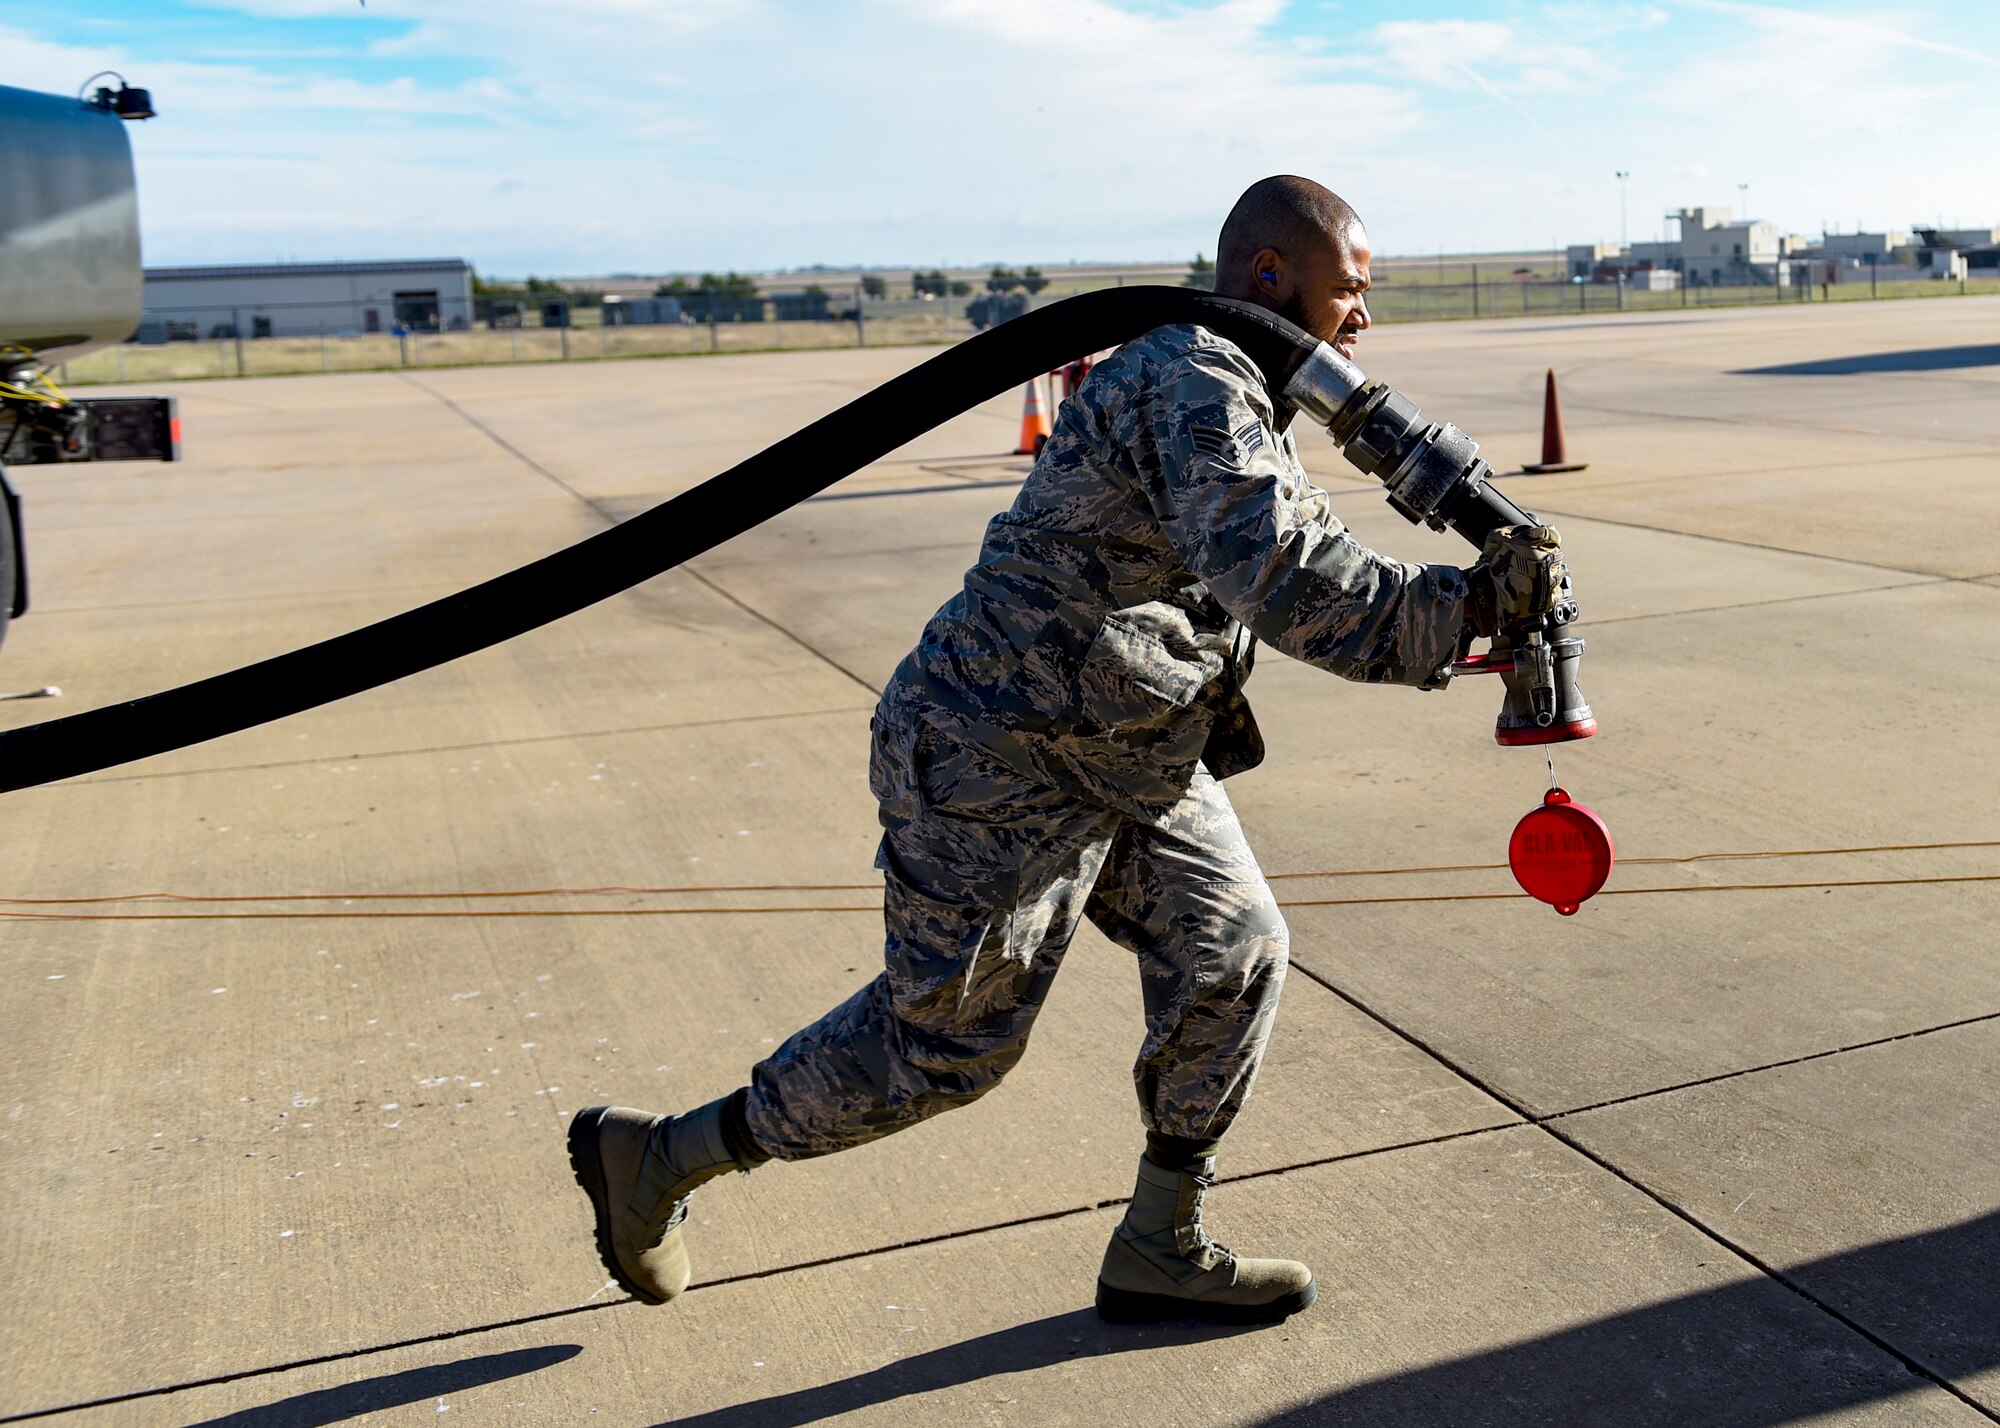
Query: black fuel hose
{"points": [[748, 494]]}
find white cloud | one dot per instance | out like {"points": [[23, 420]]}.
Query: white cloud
{"points": [[632, 133], [665, 134]]}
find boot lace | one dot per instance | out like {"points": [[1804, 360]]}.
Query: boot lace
{"points": [[1195, 1241]]}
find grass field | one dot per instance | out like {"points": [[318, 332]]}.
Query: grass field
{"points": [[1406, 290]]}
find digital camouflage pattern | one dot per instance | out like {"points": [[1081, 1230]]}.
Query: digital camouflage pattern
{"points": [[1101, 642], [1050, 752], [1520, 576], [987, 874]]}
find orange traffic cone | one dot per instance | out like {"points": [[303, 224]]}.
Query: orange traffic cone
{"points": [[1555, 450], [1034, 422]]}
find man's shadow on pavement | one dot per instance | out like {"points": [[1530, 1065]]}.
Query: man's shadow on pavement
{"points": [[1748, 1354], [371, 1395], [1045, 1343]]}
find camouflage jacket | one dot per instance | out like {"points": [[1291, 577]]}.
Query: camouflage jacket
{"points": [[1101, 642]]}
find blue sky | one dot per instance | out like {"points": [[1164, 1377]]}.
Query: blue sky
{"points": [[589, 136]]}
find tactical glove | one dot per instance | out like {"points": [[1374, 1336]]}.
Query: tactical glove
{"points": [[1519, 577]]}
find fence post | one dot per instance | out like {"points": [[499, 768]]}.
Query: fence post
{"points": [[1871, 275], [402, 345], [565, 329], [236, 326], [514, 340], [714, 337], [1475, 289], [860, 322], [222, 356], [322, 344], [1621, 292]]}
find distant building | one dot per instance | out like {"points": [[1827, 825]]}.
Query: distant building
{"points": [[1584, 258], [1864, 245], [1899, 256], [640, 312], [1714, 249], [810, 305], [708, 305], [306, 299], [1718, 251]]}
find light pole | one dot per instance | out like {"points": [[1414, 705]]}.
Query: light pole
{"points": [[1623, 174], [1743, 197]]}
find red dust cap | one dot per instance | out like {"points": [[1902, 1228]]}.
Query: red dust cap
{"points": [[1560, 852]]}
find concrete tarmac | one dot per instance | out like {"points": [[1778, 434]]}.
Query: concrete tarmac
{"points": [[1717, 1150]]}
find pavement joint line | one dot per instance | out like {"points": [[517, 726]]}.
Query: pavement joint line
{"points": [[937, 463], [500, 743], [636, 890], [1751, 544], [1912, 1364], [330, 915], [164, 522], [265, 1370], [1763, 422], [1002, 465], [1776, 600], [957, 484], [747, 1276], [1771, 1066], [1092, 1207], [512, 450], [1522, 1119], [796, 557], [801, 641], [611, 520], [1594, 487], [262, 599]]}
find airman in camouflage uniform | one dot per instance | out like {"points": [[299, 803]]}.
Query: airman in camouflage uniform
{"points": [[1051, 751]]}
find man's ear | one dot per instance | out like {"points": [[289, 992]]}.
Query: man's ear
{"points": [[1267, 272]]}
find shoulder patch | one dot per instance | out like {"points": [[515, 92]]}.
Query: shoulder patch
{"points": [[1228, 448], [1213, 441]]}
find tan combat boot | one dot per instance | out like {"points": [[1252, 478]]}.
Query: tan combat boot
{"points": [[1162, 1264], [639, 1170]]}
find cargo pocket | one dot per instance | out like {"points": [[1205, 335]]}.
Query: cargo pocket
{"points": [[1145, 665], [935, 952], [891, 759]]}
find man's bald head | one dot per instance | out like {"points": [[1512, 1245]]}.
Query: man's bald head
{"points": [[1297, 248], [1293, 215]]}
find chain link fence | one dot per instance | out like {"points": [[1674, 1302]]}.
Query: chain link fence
{"points": [[916, 309]]}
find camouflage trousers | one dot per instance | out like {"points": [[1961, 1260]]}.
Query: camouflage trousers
{"points": [[987, 874]]}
